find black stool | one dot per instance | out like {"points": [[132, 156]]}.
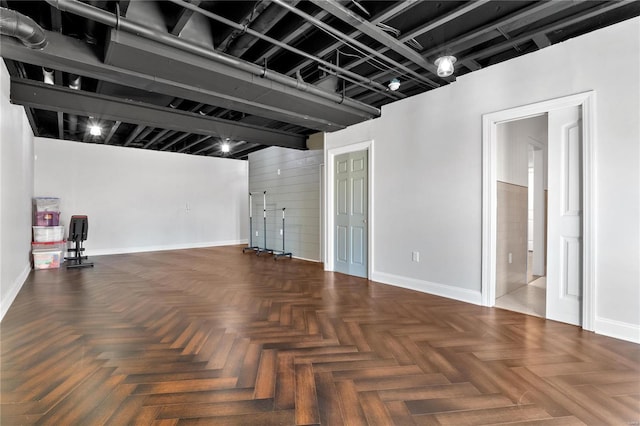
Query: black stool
{"points": [[78, 229]]}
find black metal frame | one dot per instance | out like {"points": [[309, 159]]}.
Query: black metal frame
{"points": [[78, 230]]}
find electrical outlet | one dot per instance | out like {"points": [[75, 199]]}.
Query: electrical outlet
{"points": [[415, 256], [281, 232], [256, 233], [510, 257], [278, 172]]}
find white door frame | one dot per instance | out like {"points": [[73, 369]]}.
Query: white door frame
{"points": [[587, 101], [330, 207]]}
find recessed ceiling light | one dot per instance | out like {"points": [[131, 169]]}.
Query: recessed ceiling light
{"points": [[95, 130]]}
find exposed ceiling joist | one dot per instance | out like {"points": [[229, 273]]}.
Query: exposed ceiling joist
{"points": [[465, 8], [299, 31], [54, 98], [112, 131], [249, 20], [430, 26], [388, 13], [510, 23], [529, 35], [358, 44], [541, 41], [134, 134], [183, 18], [161, 135], [124, 6], [175, 141], [374, 32], [194, 143], [60, 125], [267, 20], [479, 35]]}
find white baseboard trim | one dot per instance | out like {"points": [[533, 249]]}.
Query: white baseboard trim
{"points": [[143, 249], [307, 260], [450, 292], [618, 329], [14, 290]]}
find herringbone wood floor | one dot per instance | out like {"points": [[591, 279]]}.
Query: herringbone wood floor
{"points": [[212, 336]]}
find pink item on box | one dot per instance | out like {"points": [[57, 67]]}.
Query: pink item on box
{"points": [[47, 218]]}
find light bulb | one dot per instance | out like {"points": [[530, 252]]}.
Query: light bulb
{"points": [[394, 84], [95, 130], [225, 147], [445, 65]]}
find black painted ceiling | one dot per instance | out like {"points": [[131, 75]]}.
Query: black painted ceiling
{"points": [[188, 76]]}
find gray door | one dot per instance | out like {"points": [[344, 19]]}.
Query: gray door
{"points": [[351, 213]]}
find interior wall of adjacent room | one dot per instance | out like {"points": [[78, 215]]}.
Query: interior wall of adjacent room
{"points": [[428, 170], [16, 190], [141, 200], [297, 188], [513, 142], [512, 173]]}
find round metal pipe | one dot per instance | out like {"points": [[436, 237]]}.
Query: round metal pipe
{"points": [[22, 27], [278, 43], [110, 19]]}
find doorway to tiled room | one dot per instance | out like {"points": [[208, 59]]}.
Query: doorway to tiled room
{"points": [[521, 216]]}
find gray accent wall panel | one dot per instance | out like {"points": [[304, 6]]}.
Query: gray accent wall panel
{"points": [[296, 188]]}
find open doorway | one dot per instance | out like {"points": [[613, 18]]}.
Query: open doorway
{"points": [[521, 207], [570, 283]]}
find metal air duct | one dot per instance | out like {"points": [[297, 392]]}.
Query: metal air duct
{"points": [[124, 24], [22, 27]]}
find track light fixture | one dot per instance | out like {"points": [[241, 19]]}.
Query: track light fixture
{"points": [[445, 65]]}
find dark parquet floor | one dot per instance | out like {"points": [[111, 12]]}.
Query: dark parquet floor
{"points": [[212, 336]]}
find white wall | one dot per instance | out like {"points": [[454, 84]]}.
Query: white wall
{"points": [[139, 200], [428, 170], [16, 190]]}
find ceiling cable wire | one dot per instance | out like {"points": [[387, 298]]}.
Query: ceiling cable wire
{"points": [[377, 63], [364, 56]]}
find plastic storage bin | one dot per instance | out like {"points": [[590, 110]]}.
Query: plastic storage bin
{"points": [[50, 246], [47, 218], [46, 259], [46, 204], [45, 234]]}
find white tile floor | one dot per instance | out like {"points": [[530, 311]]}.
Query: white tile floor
{"points": [[530, 299]]}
